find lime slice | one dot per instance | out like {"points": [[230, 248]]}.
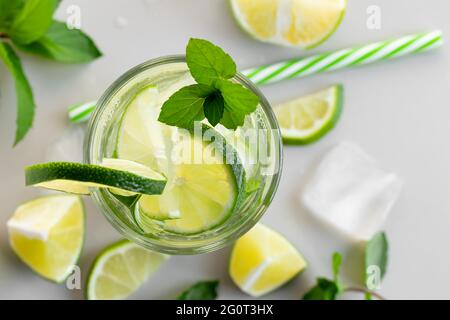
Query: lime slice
{"points": [[47, 234], [309, 118], [129, 166], [158, 207], [201, 195], [140, 137], [262, 261], [78, 178], [300, 23], [120, 269]]}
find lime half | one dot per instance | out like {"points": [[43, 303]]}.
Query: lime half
{"points": [[262, 260], [78, 178], [299, 23], [47, 234], [120, 269], [307, 119]]}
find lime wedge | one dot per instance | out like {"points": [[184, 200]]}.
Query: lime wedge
{"points": [[47, 234], [262, 261], [120, 269], [78, 178], [307, 119], [300, 23]]}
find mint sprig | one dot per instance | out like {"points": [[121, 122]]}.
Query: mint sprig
{"points": [[376, 254], [208, 63], [63, 45], [24, 94], [215, 96], [204, 290], [28, 25], [327, 289]]}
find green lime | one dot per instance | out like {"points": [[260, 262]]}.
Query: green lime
{"points": [[307, 119], [298, 23], [198, 196], [78, 178]]}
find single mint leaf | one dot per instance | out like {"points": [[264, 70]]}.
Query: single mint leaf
{"points": [[368, 296], [64, 45], [185, 106], [376, 254], [8, 10], [32, 21], [24, 94], [324, 290], [239, 102], [336, 265], [207, 62], [205, 290], [213, 108]]}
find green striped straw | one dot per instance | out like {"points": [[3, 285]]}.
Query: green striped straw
{"points": [[331, 61], [81, 112], [342, 59]]}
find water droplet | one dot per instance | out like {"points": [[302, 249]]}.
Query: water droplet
{"points": [[121, 22]]}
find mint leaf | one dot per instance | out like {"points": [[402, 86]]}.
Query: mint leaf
{"points": [[376, 253], [336, 265], [239, 101], [213, 108], [207, 62], [205, 290], [185, 106], [223, 101], [8, 10], [32, 21], [62, 44], [24, 94], [324, 290], [368, 296]]}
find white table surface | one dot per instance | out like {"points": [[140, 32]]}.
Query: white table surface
{"points": [[398, 111]]}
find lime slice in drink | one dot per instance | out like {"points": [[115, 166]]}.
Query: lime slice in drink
{"points": [[201, 195], [307, 119], [300, 23], [78, 178], [140, 137], [262, 261], [120, 269], [158, 207], [47, 234]]}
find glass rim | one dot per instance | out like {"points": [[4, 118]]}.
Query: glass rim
{"points": [[151, 243]]}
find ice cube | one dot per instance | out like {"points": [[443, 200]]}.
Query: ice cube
{"points": [[68, 146], [350, 191]]}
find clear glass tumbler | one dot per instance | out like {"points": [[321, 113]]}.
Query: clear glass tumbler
{"points": [[262, 175]]}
